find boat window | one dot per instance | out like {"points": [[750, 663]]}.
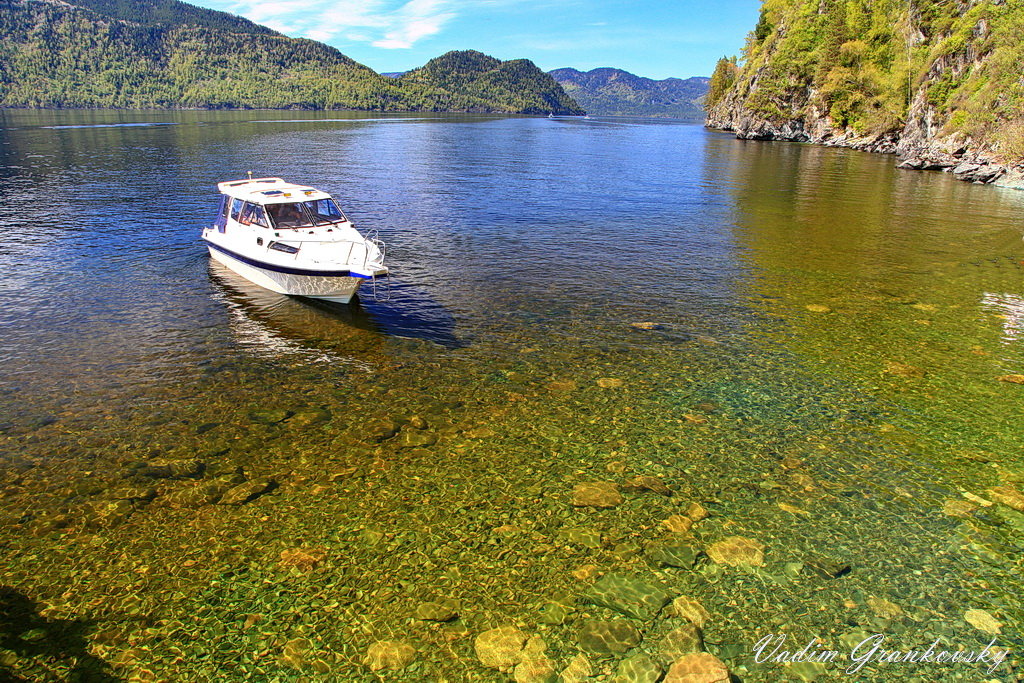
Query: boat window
{"points": [[253, 214], [289, 215], [286, 248], [324, 211], [236, 208]]}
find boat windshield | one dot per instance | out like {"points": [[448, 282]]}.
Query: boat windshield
{"points": [[305, 214], [324, 211]]}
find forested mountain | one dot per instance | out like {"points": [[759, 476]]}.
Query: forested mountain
{"points": [[472, 74], [936, 81], [170, 54], [614, 92], [171, 13]]}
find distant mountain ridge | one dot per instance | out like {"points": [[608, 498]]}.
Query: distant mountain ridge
{"points": [[614, 92], [169, 54]]}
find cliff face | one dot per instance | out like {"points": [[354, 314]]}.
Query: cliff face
{"points": [[936, 82]]}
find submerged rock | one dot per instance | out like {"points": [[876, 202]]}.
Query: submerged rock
{"points": [[303, 559], [136, 494], [640, 668], [596, 494], [445, 610], [678, 524], [691, 610], [588, 538], [534, 666], [608, 637], [309, 418], [681, 641], [197, 495], [416, 439], [737, 551], [500, 648], [806, 671], [647, 483], [696, 512], [247, 491], [610, 383], [389, 654], [578, 670], [108, 514], [269, 416], [899, 369], [681, 555], [1012, 379], [983, 621], [381, 430], [818, 308], [294, 653], [827, 567], [586, 572], [628, 595], [698, 667], [171, 469], [957, 508], [1009, 496], [645, 326], [884, 609], [555, 614]]}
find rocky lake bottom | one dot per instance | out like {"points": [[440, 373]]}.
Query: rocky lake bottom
{"points": [[590, 478]]}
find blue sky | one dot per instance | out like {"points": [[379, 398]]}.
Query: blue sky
{"points": [[650, 38]]}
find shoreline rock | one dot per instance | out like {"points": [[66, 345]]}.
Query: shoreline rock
{"points": [[914, 152]]}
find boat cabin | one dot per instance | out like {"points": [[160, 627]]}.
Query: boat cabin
{"points": [[275, 204]]}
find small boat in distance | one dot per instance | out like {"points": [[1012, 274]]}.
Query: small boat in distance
{"points": [[292, 239], [551, 115]]}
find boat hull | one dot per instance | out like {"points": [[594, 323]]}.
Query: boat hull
{"points": [[336, 288]]}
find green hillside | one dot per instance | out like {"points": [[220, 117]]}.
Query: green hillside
{"points": [[614, 92], [472, 74], [171, 13], [932, 74], [54, 54]]}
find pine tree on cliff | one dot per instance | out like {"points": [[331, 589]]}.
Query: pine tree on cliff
{"points": [[721, 80]]}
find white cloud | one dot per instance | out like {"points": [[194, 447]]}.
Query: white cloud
{"points": [[417, 19], [388, 24]]}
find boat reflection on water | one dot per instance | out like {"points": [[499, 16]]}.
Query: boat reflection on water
{"points": [[280, 327]]}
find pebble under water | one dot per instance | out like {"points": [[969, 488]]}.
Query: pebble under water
{"points": [[640, 390]]}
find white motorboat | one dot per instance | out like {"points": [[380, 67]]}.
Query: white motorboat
{"points": [[293, 240]]}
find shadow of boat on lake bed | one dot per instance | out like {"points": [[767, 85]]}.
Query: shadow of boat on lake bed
{"points": [[276, 325]]}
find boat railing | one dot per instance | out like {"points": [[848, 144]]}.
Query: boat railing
{"points": [[354, 256]]}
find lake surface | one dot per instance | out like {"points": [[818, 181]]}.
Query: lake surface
{"points": [[806, 342]]}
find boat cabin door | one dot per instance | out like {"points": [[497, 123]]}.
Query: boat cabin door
{"points": [[221, 222]]}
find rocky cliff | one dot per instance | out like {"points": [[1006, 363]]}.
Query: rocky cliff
{"points": [[937, 83]]}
